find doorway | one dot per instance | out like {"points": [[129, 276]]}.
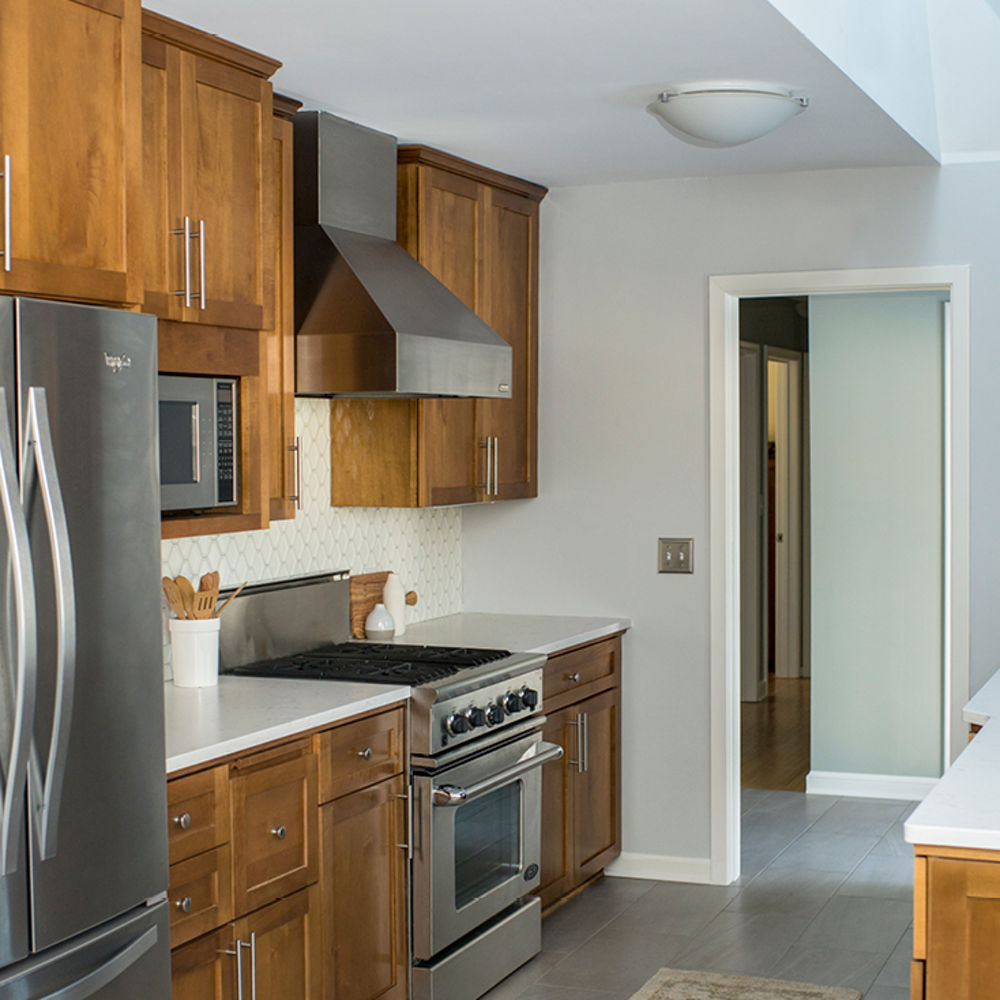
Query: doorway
{"points": [[774, 609], [724, 561]]}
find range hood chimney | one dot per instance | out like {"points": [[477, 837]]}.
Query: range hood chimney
{"points": [[370, 320]]}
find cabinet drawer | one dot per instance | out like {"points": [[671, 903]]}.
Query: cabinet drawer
{"points": [[201, 894], [197, 813], [575, 669], [360, 753], [274, 831]]}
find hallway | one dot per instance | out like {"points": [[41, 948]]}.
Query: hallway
{"points": [[775, 737]]}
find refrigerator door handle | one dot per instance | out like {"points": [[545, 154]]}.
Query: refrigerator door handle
{"points": [[109, 971], [20, 573], [39, 463]]}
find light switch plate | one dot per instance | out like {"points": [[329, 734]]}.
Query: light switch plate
{"points": [[675, 555]]}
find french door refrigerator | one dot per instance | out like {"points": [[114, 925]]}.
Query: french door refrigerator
{"points": [[83, 853]]}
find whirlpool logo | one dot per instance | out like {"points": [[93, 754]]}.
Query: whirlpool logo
{"points": [[116, 362]]}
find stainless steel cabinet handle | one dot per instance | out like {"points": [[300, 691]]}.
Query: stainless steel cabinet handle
{"points": [[184, 905], [573, 678], [578, 722], [183, 821], [279, 832], [366, 753], [40, 463], [408, 796], [297, 496], [496, 466], [186, 233], [201, 248], [94, 982], [253, 965], [488, 445], [6, 252], [454, 795], [23, 683], [586, 741]]}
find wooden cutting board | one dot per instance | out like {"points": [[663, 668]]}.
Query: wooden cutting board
{"points": [[366, 592]]}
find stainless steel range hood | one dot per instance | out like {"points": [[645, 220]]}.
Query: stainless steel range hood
{"points": [[370, 320]]}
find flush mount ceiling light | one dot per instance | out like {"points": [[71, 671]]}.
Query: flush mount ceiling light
{"points": [[725, 113]]}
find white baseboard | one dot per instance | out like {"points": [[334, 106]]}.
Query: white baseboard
{"points": [[869, 786], [660, 867]]}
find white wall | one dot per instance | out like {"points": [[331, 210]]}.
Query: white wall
{"points": [[876, 408], [623, 420]]}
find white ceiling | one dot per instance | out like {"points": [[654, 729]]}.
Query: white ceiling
{"points": [[554, 91]]}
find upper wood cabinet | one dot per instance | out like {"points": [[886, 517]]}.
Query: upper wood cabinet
{"points": [[207, 183], [476, 230], [284, 448], [70, 131]]}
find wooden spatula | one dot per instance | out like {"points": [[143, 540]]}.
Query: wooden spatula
{"points": [[174, 598], [204, 603]]}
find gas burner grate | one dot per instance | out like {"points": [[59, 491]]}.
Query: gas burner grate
{"points": [[374, 663]]}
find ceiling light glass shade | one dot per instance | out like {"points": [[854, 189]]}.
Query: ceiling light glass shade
{"points": [[725, 115]]}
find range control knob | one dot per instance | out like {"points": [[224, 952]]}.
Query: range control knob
{"points": [[494, 715], [476, 717], [458, 724], [512, 703], [529, 696]]}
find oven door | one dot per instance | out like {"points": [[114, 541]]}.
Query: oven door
{"points": [[478, 843]]}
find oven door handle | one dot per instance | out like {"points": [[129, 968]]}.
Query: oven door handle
{"points": [[454, 795]]}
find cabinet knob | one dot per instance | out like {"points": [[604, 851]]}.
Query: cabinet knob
{"points": [[184, 905], [279, 832], [573, 678], [183, 821], [366, 753]]}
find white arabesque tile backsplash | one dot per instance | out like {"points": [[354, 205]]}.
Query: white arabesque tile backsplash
{"points": [[423, 546]]}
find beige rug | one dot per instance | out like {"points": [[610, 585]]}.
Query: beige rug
{"points": [[678, 984]]}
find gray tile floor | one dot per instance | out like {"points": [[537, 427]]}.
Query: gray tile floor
{"points": [[825, 897]]}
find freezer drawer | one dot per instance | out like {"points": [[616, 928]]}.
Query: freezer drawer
{"points": [[123, 960]]}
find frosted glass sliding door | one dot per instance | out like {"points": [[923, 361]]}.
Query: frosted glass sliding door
{"points": [[877, 503]]}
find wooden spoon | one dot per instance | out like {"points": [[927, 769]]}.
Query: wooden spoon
{"points": [[174, 598], [210, 581], [186, 588], [228, 602]]}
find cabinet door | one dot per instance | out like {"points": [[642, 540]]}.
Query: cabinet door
{"points": [[963, 925], [508, 302], [596, 811], [363, 884], [449, 242], [274, 830], [69, 121], [286, 948], [226, 142], [557, 820], [279, 360], [205, 969]]}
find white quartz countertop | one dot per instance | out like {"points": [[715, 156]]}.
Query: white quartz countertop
{"points": [[518, 633], [203, 724], [963, 810]]}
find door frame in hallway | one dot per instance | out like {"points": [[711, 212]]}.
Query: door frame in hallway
{"points": [[725, 293]]}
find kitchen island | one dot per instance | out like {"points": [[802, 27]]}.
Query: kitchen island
{"points": [[956, 836]]}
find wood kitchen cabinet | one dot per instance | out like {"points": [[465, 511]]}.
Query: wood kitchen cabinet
{"points": [[283, 447], [476, 230], [207, 145], [70, 125], [956, 900], [581, 792], [291, 860]]}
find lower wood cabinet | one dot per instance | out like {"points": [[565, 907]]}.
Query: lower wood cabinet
{"points": [[289, 866], [581, 792], [956, 923], [363, 886]]}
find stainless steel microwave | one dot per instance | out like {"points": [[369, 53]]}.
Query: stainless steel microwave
{"points": [[198, 442]]}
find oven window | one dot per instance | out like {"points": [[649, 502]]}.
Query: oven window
{"points": [[487, 843]]}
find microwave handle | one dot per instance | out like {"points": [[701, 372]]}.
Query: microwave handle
{"points": [[453, 795], [196, 442]]}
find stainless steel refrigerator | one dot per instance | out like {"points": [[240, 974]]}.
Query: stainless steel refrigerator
{"points": [[83, 852]]}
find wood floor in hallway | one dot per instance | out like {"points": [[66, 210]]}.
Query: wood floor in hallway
{"points": [[775, 737]]}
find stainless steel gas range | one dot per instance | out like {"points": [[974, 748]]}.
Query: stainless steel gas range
{"points": [[476, 754]]}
